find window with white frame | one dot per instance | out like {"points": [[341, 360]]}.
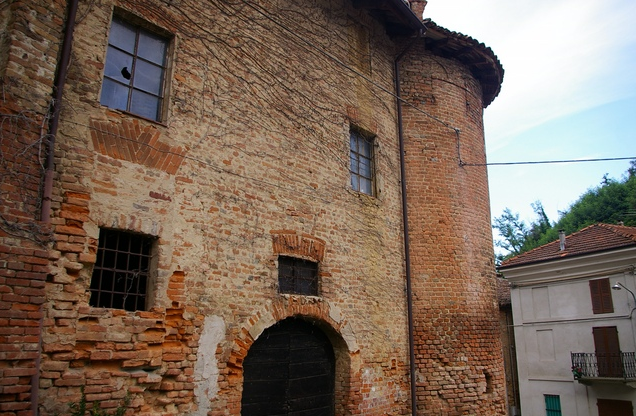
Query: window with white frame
{"points": [[135, 70]]}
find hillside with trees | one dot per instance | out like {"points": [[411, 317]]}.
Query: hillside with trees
{"points": [[612, 202]]}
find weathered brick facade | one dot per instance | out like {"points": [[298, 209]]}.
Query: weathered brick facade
{"points": [[249, 162]]}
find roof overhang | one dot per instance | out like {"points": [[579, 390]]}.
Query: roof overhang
{"points": [[480, 59], [400, 21], [396, 16], [605, 263]]}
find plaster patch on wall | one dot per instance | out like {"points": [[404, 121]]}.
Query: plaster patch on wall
{"points": [[206, 370], [261, 325], [335, 313], [350, 338]]}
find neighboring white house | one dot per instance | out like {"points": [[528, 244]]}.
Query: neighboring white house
{"points": [[575, 336]]}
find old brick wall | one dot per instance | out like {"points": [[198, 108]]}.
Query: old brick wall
{"points": [[29, 45], [250, 162], [254, 151], [458, 350]]}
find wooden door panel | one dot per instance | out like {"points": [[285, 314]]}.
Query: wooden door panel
{"points": [[290, 371], [614, 407], [608, 352]]}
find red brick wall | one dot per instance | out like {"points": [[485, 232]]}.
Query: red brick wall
{"points": [[252, 162], [29, 35], [458, 352]]}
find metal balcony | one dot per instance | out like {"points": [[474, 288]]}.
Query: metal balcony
{"points": [[590, 367]]}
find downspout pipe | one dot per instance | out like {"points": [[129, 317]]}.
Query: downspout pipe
{"points": [[47, 191], [405, 222], [58, 87]]}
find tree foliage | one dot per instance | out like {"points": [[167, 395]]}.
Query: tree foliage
{"points": [[611, 202]]}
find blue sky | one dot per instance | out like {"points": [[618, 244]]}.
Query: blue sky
{"points": [[569, 92]]}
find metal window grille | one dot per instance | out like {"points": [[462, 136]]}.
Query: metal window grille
{"points": [[361, 158], [552, 405], [297, 276], [135, 70], [121, 272]]}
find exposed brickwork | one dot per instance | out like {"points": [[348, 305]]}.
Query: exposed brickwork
{"points": [[458, 350], [128, 140], [28, 35], [291, 243], [251, 162]]}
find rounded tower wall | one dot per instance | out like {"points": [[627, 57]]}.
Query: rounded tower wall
{"points": [[457, 348]]}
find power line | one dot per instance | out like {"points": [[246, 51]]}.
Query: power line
{"points": [[543, 162]]}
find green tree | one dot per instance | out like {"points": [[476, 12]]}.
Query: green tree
{"points": [[516, 236], [611, 202]]}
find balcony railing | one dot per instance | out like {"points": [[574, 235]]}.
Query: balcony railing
{"points": [[599, 365]]}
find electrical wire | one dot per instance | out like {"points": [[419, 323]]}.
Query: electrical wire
{"points": [[543, 162]]}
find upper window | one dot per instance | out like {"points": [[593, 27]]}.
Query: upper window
{"points": [[297, 276], [121, 275], [135, 70], [361, 156], [601, 296]]}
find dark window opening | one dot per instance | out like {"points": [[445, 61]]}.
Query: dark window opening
{"points": [[135, 70], [361, 159], [601, 296], [122, 271], [297, 276]]}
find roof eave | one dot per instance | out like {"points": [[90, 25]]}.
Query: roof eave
{"points": [[395, 15], [479, 58]]}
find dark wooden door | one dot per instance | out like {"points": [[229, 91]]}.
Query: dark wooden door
{"points": [[289, 371], [608, 352], [614, 408]]}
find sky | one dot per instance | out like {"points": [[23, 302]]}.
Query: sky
{"points": [[569, 92]]}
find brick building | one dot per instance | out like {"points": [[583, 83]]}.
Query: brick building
{"points": [[197, 195]]}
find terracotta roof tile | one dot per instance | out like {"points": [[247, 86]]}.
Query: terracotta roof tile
{"points": [[480, 59], [594, 238]]}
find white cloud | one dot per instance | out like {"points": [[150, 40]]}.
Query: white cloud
{"points": [[559, 56]]}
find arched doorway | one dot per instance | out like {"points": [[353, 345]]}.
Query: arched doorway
{"points": [[289, 370]]}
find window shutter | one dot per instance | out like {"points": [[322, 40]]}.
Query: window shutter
{"points": [[601, 294]]}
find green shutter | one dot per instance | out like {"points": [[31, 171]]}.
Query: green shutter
{"points": [[552, 405]]}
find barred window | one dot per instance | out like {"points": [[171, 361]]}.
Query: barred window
{"points": [[361, 155], [297, 276], [122, 271], [135, 70]]}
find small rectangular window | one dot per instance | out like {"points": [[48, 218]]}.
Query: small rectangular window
{"points": [[552, 405], [601, 293], [362, 169], [135, 70], [121, 274], [297, 276]]}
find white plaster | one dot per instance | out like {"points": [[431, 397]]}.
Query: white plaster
{"points": [[350, 338], [265, 321], [335, 313], [206, 370]]}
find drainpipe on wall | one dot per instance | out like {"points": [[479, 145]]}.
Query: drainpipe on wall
{"points": [[405, 221], [47, 191], [58, 88]]}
